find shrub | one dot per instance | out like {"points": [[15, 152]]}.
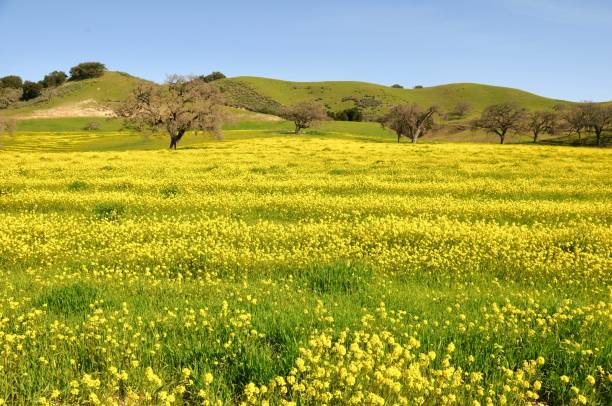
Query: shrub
{"points": [[212, 77], [396, 86], [31, 90], [9, 96], [418, 87], [11, 81], [87, 70], [54, 79]]}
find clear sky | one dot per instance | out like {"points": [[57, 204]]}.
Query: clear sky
{"points": [[556, 48]]}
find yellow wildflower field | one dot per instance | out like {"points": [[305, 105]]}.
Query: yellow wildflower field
{"points": [[307, 271]]}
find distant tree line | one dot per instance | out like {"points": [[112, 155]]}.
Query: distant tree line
{"points": [[13, 88]]}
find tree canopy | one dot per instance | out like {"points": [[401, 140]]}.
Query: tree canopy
{"points": [[180, 105], [409, 120]]}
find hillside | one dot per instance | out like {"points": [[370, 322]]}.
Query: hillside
{"points": [[85, 98], [268, 95], [91, 98]]}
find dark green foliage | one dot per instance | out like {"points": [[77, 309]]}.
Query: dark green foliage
{"points": [[418, 87], [109, 211], [351, 114], [69, 300], [212, 77], [396, 86], [31, 90], [54, 79], [11, 81], [87, 70]]}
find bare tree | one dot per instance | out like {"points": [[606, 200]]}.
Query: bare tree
{"points": [[500, 119], [597, 119], [541, 122], [304, 114], [180, 105], [574, 120], [409, 120]]}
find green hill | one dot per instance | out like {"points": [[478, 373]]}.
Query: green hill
{"points": [[91, 97], [83, 98], [268, 95]]}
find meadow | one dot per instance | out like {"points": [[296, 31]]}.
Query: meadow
{"points": [[303, 271]]}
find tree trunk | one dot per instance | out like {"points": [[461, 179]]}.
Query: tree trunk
{"points": [[502, 138], [174, 139], [598, 135], [298, 129], [398, 138], [414, 140], [535, 137]]}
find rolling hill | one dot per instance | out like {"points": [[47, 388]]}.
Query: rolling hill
{"points": [[268, 95], [90, 98]]}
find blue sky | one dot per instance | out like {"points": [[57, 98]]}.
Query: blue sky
{"points": [[556, 48]]}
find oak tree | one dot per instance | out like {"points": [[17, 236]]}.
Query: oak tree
{"points": [[409, 120], [541, 122], [304, 114], [180, 105], [500, 119]]}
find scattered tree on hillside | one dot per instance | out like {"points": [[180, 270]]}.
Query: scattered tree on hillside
{"points": [[418, 87], [11, 81], [500, 119], [541, 122], [409, 120], [9, 96], [304, 114], [31, 90], [180, 105], [574, 120], [396, 86], [87, 70], [212, 77], [460, 110], [54, 79], [597, 119]]}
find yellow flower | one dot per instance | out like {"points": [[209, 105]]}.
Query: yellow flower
{"points": [[186, 373]]}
